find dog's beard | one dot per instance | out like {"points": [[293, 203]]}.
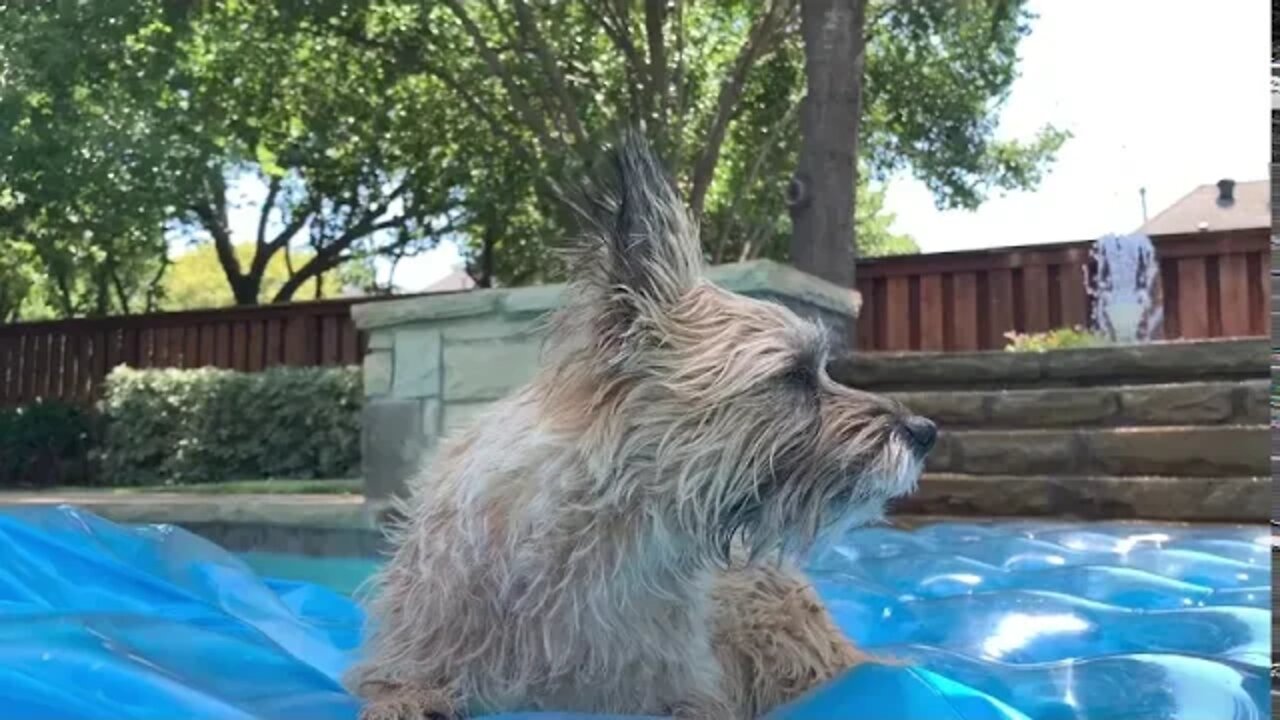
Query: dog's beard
{"points": [[798, 515]]}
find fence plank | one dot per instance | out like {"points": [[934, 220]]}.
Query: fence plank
{"points": [[897, 314], [1193, 305], [239, 351], [1260, 295], [931, 315], [1035, 298], [295, 341], [101, 361], [208, 345], [79, 391], [257, 341], [6, 367], [43, 375], [1074, 297], [222, 346], [999, 307], [274, 342], [1233, 307], [330, 340], [177, 346], [160, 347], [191, 346], [965, 310], [351, 344]]}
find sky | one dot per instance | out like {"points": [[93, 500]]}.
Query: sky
{"points": [[1161, 94], [1158, 94]]}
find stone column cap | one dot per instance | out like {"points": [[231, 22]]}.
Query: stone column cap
{"points": [[754, 277]]}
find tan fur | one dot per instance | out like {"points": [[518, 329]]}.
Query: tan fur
{"points": [[572, 551], [774, 639]]}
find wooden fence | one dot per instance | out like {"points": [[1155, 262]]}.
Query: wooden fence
{"points": [[68, 359], [1215, 284]]}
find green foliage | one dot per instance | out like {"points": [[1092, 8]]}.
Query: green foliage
{"points": [[195, 278], [78, 168], [46, 443], [544, 85], [209, 425], [1058, 339], [381, 127], [937, 75], [128, 120]]}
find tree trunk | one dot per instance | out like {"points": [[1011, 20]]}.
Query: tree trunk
{"points": [[820, 196]]}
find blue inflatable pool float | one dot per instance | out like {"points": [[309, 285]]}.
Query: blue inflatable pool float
{"points": [[1011, 621]]}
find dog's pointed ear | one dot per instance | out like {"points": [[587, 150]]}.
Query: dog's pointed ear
{"points": [[640, 250]]}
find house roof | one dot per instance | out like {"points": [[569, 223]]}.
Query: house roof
{"points": [[454, 281], [1201, 210]]}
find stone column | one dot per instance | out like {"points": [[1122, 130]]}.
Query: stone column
{"points": [[434, 362]]}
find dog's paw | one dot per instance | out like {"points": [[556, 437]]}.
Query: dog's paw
{"points": [[407, 705]]}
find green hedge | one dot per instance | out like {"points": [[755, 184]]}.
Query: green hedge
{"points": [[46, 443], [210, 425]]}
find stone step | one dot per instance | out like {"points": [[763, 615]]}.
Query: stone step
{"points": [[1219, 499], [1171, 362], [1198, 403], [1179, 451]]}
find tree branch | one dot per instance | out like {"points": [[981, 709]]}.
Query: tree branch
{"points": [[654, 24], [759, 40], [762, 154], [620, 33], [679, 84], [518, 100], [330, 256], [529, 26], [273, 189]]}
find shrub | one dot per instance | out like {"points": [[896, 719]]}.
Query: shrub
{"points": [[208, 425], [46, 443], [1068, 337]]}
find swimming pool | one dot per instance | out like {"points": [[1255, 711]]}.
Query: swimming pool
{"points": [[342, 574], [1054, 618], [1003, 621]]}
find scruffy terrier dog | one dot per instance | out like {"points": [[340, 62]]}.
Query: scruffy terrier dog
{"points": [[608, 539]]}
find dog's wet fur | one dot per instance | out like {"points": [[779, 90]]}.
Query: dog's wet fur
{"points": [[611, 538]]}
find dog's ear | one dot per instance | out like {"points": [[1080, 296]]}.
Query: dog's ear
{"points": [[641, 250]]}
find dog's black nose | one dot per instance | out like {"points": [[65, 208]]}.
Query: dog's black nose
{"points": [[922, 432]]}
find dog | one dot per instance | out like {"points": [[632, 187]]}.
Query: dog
{"points": [[612, 538]]}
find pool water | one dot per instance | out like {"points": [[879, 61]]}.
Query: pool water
{"points": [[341, 574], [1000, 621]]}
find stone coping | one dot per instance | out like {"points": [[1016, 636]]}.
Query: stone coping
{"points": [[941, 498], [1155, 362], [755, 277], [1239, 500], [345, 512]]}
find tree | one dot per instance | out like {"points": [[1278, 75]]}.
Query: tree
{"points": [[196, 279], [716, 87], [176, 104], [377, 128], [76, 170], [820, 196]]}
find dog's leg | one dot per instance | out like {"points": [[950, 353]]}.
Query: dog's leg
{"points": [[392, 701], [774, 639]]}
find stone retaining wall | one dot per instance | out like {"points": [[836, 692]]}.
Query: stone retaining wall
{"points": [[1175, 431], [436, 362]]}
